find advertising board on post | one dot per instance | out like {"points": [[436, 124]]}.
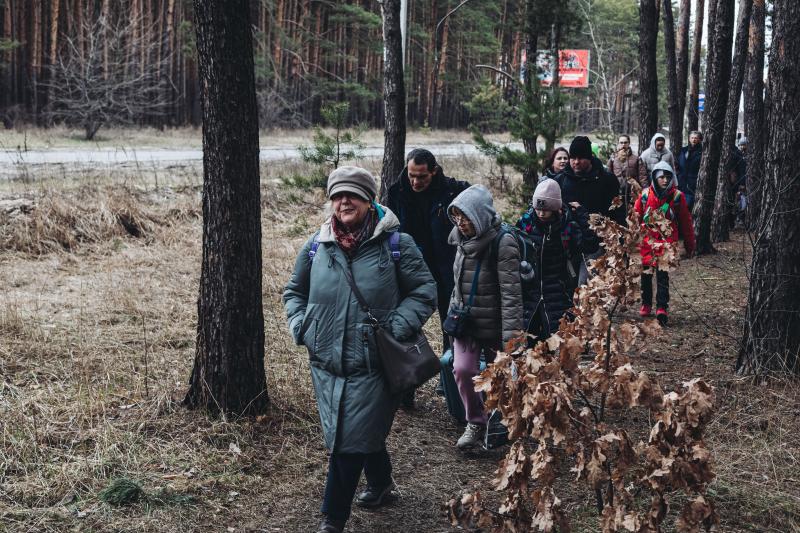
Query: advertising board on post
{"points": [[573, 68]]}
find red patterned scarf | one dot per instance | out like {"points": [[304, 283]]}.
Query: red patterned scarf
{"points": [[350, 240]]}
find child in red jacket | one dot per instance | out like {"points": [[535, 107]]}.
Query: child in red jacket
{"points": [[662, 195]]}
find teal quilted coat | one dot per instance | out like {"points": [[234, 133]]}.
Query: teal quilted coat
{"points": [[355, 406]]}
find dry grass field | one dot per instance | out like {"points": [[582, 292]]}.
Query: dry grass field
{"points": [[98, 288]]}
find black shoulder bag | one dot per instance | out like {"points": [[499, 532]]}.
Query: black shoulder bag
{"points": [[406, 365]]}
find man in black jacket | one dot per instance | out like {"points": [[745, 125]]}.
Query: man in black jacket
{"points": [[689, 166], [420, 200], [587, 182]]}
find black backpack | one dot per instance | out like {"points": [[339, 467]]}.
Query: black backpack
{"points": [[530, 254]]}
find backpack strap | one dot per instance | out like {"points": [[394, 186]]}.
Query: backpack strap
{"points": [[394, 245], [312, 252], [495, 255]]}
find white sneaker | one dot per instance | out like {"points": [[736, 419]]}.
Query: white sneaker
{"points": [[472, 436]]}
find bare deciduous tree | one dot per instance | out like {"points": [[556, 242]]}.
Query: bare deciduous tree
{"points": [[99, 79], [609, 79]]}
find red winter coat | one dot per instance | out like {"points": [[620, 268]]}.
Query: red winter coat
{"points": [[677, 212]]}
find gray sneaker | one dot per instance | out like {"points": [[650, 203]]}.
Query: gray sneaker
{"points": [[472, 436]]}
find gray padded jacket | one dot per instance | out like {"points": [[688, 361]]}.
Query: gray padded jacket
{"points": [[496, 312]]}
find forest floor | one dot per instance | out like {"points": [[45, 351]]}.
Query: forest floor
{"points": [[98, 288]]}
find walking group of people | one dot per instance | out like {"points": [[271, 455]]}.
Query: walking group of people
{"points": [[439, 244]]}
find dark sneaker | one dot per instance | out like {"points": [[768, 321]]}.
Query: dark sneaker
{"points": [[373, 497], [331, 526], [662, 316]]}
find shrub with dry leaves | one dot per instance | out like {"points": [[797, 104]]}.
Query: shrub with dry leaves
{"points": [[556, 408]]}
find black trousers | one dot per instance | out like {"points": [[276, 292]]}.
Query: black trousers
{"points": [[662, 289], [344, 471]]}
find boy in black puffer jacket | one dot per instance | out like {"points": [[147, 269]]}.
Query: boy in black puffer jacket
{"points": [[561, 235]]}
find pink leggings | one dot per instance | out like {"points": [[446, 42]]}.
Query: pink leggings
{"points": [[466, 363]]}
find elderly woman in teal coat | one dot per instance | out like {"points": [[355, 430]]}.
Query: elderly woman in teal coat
{"points": [[355, 406]]}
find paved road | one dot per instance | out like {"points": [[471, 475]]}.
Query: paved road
{"points": [[13, 159]]}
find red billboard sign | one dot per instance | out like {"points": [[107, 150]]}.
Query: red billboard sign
{"points": [[573, 69]]}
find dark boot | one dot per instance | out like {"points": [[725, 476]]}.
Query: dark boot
{"points": [[329, 525], [374, 497], [407, 401]]}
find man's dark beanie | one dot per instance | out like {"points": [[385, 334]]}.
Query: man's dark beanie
{"points": [[581, 148]]}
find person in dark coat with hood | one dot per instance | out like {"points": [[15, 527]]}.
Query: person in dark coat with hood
{"points": [[420, 200], [560, 234], [495, 303], [689, 166], [587, 182]]}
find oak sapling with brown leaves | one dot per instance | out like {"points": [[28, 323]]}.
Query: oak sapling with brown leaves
{"points": [[558, 408]]}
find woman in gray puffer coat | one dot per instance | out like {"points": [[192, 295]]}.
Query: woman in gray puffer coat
{"points": [[355, 406], [495, 315]]}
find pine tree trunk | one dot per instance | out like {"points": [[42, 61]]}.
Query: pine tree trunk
{"points": [[718, 73], [394, 98], [5, 74], [35, 44], [682, 58], [168, 58], [79, 36], [228, 373], [673, 96], [105, 14], [772, 324], [276, 46], [725, 197], [648, 76], [52, 58], [754, 127], [693, 118]]}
